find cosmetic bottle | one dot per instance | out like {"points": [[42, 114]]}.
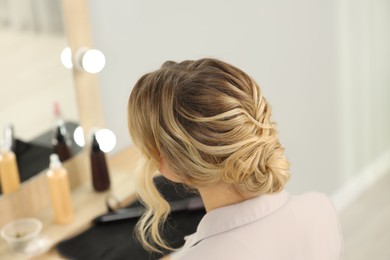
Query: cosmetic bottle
{"points": [[59, 191], [60, 142], [9, 173], [9, 136], [100, 175]]}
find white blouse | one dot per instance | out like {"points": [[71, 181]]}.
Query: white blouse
{"points": [[271, 227]]}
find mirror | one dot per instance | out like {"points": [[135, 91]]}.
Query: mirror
{"points": [[36, 90]]}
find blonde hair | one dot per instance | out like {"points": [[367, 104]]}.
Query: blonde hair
{"points": [[211, 124]]}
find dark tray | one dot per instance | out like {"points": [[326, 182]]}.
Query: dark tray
{"points": [[116, 240]]}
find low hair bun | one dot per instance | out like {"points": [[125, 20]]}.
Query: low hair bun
{"points": [[259, 166]]}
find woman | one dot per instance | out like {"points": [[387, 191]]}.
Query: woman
{"points": [[205, 123]]}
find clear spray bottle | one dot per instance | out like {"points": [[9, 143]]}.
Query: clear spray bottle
{"points": [[9, 172], [60, 191]]}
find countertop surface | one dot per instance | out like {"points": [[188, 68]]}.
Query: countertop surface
{"points": [[87, 204]]}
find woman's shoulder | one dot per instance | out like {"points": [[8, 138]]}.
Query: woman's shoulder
{"points": [[315, 213], [313, 206], [312, 200], [308, 222]]}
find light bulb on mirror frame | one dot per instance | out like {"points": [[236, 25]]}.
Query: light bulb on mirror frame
{"points": [[78, 136], [66, 58], [90, 60], [105, 137]]}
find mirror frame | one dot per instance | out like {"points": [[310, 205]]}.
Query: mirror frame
{"points": [[33, 195]]}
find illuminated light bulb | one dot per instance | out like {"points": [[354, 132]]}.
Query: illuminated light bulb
{"points": [[78, 136], [92, 60], [106, 139], [66, 58]]}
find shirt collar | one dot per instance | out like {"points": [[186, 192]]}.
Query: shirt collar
{"points": [[229, 217]]}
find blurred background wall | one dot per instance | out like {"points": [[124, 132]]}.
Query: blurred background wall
{"points": [[323, 66]]}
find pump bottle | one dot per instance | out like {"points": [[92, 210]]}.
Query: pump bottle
{"points": [[60, 191], [9, 173], [59, 142], [9, 136], [100, 174]]}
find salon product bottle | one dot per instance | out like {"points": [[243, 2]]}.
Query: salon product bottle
{"points": [[59, 191], [9, 136], [60, 142], [100, 174], [9, 172]]}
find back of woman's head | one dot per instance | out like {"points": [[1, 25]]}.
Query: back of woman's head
{"points": [[210, 123]]}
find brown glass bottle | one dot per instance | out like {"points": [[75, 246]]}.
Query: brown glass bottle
{"points": [[60, 142], [100, 174]]}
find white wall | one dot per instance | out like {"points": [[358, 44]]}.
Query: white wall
{"points": [[365, 41], [292, 48], [365, 90]]}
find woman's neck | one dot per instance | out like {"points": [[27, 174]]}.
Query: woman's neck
{"points": [[220, 195]]}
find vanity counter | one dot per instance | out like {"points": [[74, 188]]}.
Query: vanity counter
{"points": [[87, 204]]}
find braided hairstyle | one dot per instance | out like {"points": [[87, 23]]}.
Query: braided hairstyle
{"points": [[211, 124]]}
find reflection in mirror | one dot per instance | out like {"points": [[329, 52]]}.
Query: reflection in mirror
{"points": [[36, 90]]}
